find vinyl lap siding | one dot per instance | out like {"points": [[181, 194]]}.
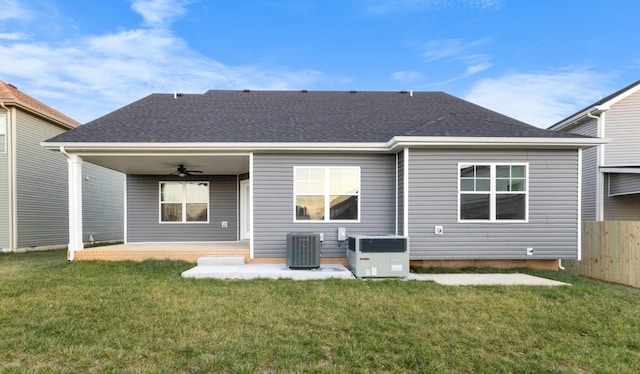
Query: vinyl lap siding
{"points": [[273, 200], [553, 215], [622, 126], [143, 211], [102, 203], [589, 170], [41, 181]]}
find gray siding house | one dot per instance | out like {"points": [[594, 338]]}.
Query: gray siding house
{"points": [[611, 171], [464, 183], [34, 182]]}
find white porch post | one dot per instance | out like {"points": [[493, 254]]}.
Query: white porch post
{"points": [[75, 204]]}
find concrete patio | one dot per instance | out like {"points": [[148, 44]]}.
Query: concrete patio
{"points": [[236, 268]]}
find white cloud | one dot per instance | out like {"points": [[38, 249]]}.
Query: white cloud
{"points": [[406, 76], [91, 76], [12, 35], [540, 99], [457, 52], [160, 12], [12, 9]]}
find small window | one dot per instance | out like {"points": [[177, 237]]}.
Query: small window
{"points": [[493, 192], [319, 190], [184, 202], [3, 133]]}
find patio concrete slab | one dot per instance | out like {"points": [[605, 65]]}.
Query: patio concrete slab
{"points": [[497, 279], [267, 271]]}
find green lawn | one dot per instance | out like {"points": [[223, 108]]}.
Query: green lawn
{"points": [[85, 317]]}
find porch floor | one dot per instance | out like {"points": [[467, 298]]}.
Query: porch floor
{"points": [[187, 251]]}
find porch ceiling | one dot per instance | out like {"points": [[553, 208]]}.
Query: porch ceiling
{"points": [[166, 164]]}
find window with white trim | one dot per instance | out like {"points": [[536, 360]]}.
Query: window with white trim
{"points": [[493, 192], [184, 202], [318, 190], [3, 133]]}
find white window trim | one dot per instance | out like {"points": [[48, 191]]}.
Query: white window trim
{"points": [[327, 203], [492, 192], [184, 204]]}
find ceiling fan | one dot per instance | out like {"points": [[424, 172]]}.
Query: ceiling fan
{"points": [[182, 171]]}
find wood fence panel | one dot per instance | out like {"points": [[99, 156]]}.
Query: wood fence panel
{"points": [[610, 252]]}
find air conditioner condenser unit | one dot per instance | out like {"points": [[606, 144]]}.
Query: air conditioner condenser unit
{"points": [[303, 250]]}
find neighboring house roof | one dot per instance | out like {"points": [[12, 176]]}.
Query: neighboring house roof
{"points": [[221, 116], [10, 95], [597, 107]]}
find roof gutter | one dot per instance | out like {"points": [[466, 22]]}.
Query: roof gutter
{"points": [[59, 121], [394, 145], [400, 142], [214, 147], [579, 117]]}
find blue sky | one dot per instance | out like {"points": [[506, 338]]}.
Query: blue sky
{"points": [[537, 61]]}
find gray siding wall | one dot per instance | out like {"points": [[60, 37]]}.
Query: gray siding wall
{"points": [[41, 179], [589, 171], [4, 197], [143, 224], [625, 207], [102, 203], [273, 200], [622, 126], [553, 207], [400, 166]]}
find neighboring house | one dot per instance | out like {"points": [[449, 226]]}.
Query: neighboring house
{"points": [[34, 181], [611, 172], [462, 182]]}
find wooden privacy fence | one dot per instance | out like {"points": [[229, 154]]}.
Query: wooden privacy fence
{"points": [[610, 252]]}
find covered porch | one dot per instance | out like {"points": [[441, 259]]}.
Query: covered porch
{"points": [[222, 228], [185, 251]]}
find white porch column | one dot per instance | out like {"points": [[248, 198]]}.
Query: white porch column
{"points": [[75, 204]]}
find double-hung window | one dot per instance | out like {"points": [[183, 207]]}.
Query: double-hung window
{"points": [[3, 133], [184, 202], [327, 193], [493, 192]]}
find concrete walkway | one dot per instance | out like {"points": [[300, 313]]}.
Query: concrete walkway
{"points": [[236, 268], [501, 279]]}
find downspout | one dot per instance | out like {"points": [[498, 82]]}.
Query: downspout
{"points": [[600, 157], [71, 250], [13, 218]]}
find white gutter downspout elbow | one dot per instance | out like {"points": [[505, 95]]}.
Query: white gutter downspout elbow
{"points": [[71, 250]]}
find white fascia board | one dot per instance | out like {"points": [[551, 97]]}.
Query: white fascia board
{"points": [[594, 110], [399, 142], [164, 148], [577, 118]]}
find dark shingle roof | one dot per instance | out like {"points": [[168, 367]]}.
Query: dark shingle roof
{"points": [[298, 116]]}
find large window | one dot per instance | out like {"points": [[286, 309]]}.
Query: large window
{"points": [[322, 190], [3, 133], [184, 202], [493, 192]]}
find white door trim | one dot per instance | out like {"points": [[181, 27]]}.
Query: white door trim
{"points": [[245, 211]]}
